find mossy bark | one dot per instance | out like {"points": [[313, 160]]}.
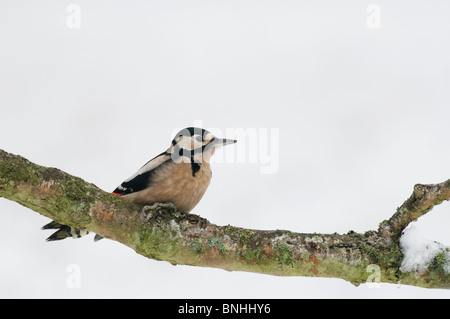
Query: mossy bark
{"points": [[160, 232]]}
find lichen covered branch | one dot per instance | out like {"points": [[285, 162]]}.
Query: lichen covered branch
{"points": [[160, 232], [422, 200]]}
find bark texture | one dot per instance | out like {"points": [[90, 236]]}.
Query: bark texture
{"points": [[160, 232]]}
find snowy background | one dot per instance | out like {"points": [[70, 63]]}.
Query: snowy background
{"points": [[362, 108]]}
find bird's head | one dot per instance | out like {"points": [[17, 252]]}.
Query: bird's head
{"points": [[193, 144]]}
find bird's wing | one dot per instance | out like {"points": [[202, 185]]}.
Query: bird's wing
{"points": [[142, 177]]}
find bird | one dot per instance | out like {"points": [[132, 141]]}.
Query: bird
{"points": [[180, 176]]}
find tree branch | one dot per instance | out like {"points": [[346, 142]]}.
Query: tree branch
{"points": [[159, 232]]}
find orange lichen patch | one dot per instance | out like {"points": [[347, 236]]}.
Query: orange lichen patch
{"points": [[212, 254], [107, 215], [267, 250], [313, 259], [100, 211]]}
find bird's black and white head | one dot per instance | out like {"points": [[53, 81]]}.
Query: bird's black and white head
{"points": [[195, 145]]}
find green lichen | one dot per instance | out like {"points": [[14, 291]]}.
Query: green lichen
{"points": [[220, 246], [393, 257], [447, 183], [196, 246], [244, 236], [440, 262], [304, 256], [155, 244], [212, 241], [18, 169], [253, 254], [373, 254], [74, 189], [284, 253]]}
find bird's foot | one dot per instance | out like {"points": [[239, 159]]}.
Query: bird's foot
{"points": [[149, 210]]}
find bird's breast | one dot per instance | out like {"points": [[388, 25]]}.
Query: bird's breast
{"points": [[175, 183]]}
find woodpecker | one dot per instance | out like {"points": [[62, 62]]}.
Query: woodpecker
{"points": [[180, 175]]}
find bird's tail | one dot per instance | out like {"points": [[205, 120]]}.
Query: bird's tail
{"points": [[63, 231]]}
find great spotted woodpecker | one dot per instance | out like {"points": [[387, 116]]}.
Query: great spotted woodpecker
{"points": [[180, 175]]}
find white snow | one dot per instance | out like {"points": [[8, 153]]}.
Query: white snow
{"points": [[420, 252]]}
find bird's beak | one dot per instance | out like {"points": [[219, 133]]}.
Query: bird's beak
{"points": [[224, 141]]}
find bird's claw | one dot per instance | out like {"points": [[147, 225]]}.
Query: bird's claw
{"points": [[148, 210]]}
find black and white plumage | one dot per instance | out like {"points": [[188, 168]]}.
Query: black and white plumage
{"points": [[140, 179], [63, 231], [179, 175]]}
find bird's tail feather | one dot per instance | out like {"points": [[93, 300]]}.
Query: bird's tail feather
{"points": [[63, 231]]}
